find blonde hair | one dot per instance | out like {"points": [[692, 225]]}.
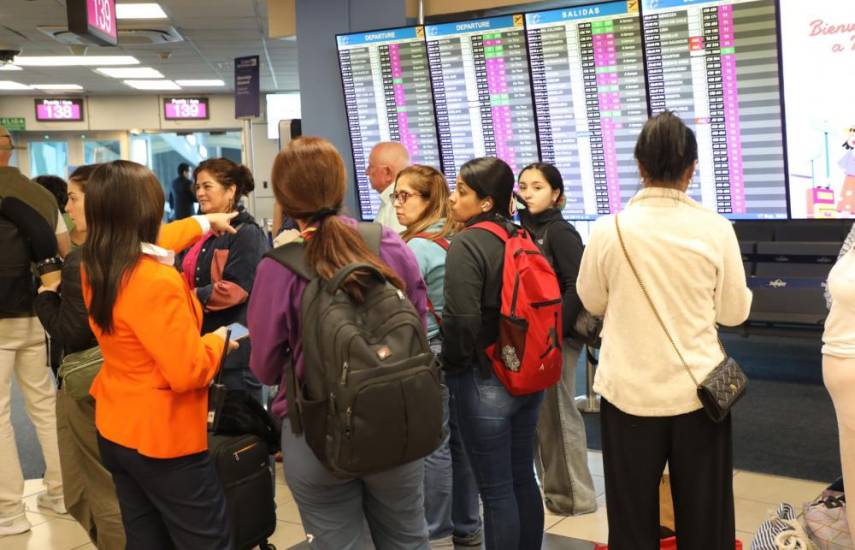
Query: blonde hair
{"points": [[431, 185]]}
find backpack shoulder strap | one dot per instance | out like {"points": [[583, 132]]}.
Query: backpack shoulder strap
{"points": [[372, 234], [442, 241], [292, 255], [493, 228]]}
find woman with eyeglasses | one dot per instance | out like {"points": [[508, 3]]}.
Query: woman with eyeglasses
{"points": [[451, 496]]}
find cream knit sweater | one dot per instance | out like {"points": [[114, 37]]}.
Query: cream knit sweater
{"points": [[689, 260]]}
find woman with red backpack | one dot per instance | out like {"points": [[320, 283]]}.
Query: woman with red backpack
{"points": [[452, 509], [498, 427]]}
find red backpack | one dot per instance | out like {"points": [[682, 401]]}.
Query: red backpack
{"points": [[527, 354]]}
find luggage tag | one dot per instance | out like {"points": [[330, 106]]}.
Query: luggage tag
{"points": [[217, 392]]}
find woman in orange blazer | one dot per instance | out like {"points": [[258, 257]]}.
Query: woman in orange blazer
{"points": [[151, 393]]}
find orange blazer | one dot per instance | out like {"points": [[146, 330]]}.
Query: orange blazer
{"points": [[152, 392]]}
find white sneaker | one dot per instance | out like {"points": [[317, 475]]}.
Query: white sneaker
{"points": [[14, 525], [54, 504]]}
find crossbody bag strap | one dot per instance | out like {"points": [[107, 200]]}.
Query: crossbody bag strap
{"points": [[649, 301]]}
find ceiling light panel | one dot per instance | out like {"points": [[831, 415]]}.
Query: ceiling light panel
{"points": [[140, 11], [152, 84], [57, 86], [9, 67], [130, 72], [192, 83], [10, 85], [75, 60]]}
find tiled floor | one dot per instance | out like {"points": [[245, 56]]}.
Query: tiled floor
{"points": [[756, 495]]}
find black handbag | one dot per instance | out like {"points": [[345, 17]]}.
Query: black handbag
{"points": [[724, 385]]}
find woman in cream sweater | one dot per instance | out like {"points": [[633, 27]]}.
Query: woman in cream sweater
{"points": [[689, 260]]}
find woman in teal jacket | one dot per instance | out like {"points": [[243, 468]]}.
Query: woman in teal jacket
{"points": [[451, 495]]}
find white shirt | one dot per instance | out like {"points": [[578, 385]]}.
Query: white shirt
{"points": [[61, 226], [167, 257], [689, 260], [839, 336], [386, 214]]}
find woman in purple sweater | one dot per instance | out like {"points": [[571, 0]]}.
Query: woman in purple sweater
{"points": [[309, 183]]}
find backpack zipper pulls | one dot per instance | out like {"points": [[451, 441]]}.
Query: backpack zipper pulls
{"points": [[348, 414], [344, 368]]}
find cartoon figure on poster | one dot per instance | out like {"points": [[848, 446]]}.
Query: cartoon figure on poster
{"points": [[846, 205]]}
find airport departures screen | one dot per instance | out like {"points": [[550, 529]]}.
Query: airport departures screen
{"points": [[573, 86]]}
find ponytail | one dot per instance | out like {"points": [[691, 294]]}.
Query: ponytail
{"points": [[334, 245]]}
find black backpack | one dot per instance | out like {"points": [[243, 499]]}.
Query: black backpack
{"points": [[371, 397], [17, 284]]}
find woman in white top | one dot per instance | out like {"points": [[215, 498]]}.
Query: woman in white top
{"points": [[838, 363], [689, 260]]}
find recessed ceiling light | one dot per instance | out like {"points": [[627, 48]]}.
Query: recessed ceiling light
{"points": [[140, 11], [57, 86], [130, 72], [152, 84], [191, 83], [75, 60], [9, 67], [10, 85]]}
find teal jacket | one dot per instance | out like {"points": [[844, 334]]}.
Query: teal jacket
{"points": [[431, 258]]}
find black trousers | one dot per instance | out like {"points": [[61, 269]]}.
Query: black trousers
{"points": [[175, 503], [699, 454]]}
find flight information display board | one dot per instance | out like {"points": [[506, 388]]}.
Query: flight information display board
{"points": [[715, 64], [587, 71], [482, 91], [388, 97]]}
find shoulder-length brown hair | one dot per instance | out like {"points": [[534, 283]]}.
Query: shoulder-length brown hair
{"points": [[432, 186], [124, 207], [308, 179]]}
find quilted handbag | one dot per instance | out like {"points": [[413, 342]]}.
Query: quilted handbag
{"points": [[782, 531], [78, 370], [825, 522]]}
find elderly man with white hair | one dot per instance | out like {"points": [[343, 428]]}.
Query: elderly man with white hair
{"points": [[387, 158]]}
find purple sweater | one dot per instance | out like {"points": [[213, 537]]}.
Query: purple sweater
{"points": [[274, 311]]}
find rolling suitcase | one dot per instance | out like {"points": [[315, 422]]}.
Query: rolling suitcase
{"points": [[243, 465]]}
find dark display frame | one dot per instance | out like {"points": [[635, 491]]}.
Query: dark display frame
{"points": [[78, 100]]}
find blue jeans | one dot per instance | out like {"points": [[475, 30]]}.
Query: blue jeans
{"points": [[451, 495], [498, 432]]}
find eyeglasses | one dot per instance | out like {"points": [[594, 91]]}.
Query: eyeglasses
{"points": [[403, 196]]}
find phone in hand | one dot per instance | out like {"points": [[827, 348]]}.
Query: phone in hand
{"points": [[238, 331]]}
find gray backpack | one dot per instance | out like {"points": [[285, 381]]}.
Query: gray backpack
{"points": [[370, 398]]}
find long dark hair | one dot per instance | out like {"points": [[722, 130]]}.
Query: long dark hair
{"points": [[124, 207], [431, 184], [309, 183], [490, 177]]}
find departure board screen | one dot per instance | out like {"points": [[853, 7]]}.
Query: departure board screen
{"points": [[388, 97], [482, 91], [715, 64], [587, 72]]}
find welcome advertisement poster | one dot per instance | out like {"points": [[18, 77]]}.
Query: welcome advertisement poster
{"points": [[818, 38]]}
